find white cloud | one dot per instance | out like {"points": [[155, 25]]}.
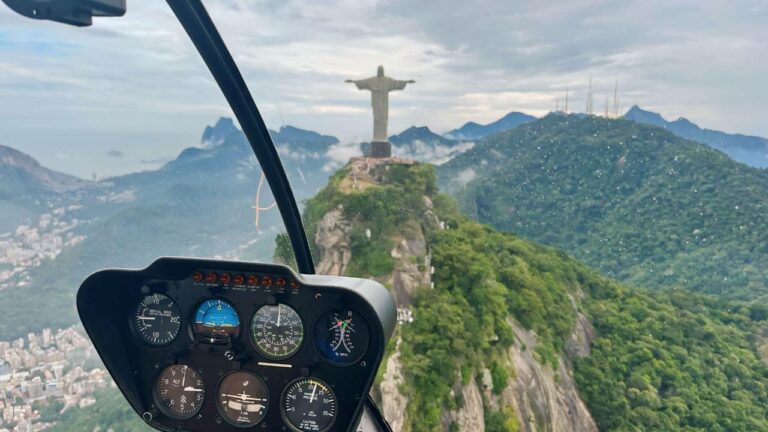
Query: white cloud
{"points": [[137, 81], [339, 154]]}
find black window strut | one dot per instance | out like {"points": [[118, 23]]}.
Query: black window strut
{"points": [[206, 38]]}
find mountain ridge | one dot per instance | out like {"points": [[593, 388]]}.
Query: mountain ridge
{"points": [[636, 201], [472, 130], [750, 150]]}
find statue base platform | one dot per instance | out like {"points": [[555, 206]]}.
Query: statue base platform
{"points": [[380, 149]]}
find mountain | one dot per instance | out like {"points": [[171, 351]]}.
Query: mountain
{"points": [[216, 134], [27, 188], [509, 335], [303, 139], [750, 150], [200, 204], [22, 175], [473, 131], [632, 200]]}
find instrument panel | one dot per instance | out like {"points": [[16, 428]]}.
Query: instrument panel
{"points": [[201, 345]]}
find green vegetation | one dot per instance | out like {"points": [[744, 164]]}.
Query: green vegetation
{"points": [[380, 212], [635, 201], [110, 412], [665, 361]]}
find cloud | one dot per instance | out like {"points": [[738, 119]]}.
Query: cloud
{"points": [[340, 153], [472, 60], [115, 154]]}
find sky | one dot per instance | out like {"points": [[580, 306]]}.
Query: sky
{"points": [[129, 93]]}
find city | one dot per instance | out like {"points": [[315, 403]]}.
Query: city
{"points": [[52, 370], [32, 244]]}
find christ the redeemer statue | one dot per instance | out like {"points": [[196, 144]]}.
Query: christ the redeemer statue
{"points": [[380, 86]]}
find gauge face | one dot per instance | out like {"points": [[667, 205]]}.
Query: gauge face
{"points": [[216, 321], [242, 399], [309, 405], [157, 319], [341, 336], [179, 392], [277, 331]]}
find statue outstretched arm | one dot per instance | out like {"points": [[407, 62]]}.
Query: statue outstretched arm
{"points": [[364, 84], [399, 84]]}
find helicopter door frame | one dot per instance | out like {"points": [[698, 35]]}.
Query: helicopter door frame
{"points": [[202, 31]]}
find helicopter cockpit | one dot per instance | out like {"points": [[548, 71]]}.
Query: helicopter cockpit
{"points": [[209, 344]]}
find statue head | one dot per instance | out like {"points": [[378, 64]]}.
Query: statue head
{"points": [[380, 72]]}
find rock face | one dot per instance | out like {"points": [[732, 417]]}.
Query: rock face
{"points": [[332, 237], [470, 416], [392, 402], [544, 399]]}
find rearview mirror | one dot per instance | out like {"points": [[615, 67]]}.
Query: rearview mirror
{"points": [[73, 12]]}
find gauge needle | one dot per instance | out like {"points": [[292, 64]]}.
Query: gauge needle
{"points": [[147, 318], [279, 310], [184, 377], [192, 389], [243, 397], [312, 397]]}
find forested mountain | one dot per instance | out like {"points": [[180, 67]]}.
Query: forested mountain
{"points": [[499, 314], [750, 150], [635, 201], [508, 335]]}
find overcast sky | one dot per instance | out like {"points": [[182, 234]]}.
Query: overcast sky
{"points": [[127, 93]]}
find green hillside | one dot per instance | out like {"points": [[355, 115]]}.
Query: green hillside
{"points": [[634, 201], [667, 361]]}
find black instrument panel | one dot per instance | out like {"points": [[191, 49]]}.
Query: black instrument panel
{"points": [[199, 345]]}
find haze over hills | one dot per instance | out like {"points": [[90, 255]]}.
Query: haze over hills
{"points": [[27, 188], [750, 150], [632, 200]]}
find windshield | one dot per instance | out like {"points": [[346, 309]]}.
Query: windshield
{"points": [[566, 202]]}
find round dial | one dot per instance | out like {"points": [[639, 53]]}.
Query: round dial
{"points": [[242, 399], [179, 392], [309, 405], [216, 321], [341, 336], [157, 319], [277, 331]]}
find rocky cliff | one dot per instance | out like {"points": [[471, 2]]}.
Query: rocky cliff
{"points": [[535, 398]]}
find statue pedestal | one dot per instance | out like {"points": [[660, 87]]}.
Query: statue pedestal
{"points": [[381, 149]]}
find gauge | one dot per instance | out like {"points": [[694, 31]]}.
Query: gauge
{"points": [[216, 321], [341, 336], [179, 391], [157, 319], [242, 399], [309, 405], [277, 331]]}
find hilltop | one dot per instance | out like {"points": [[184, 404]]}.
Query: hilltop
{"points": [[632, 200]]}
